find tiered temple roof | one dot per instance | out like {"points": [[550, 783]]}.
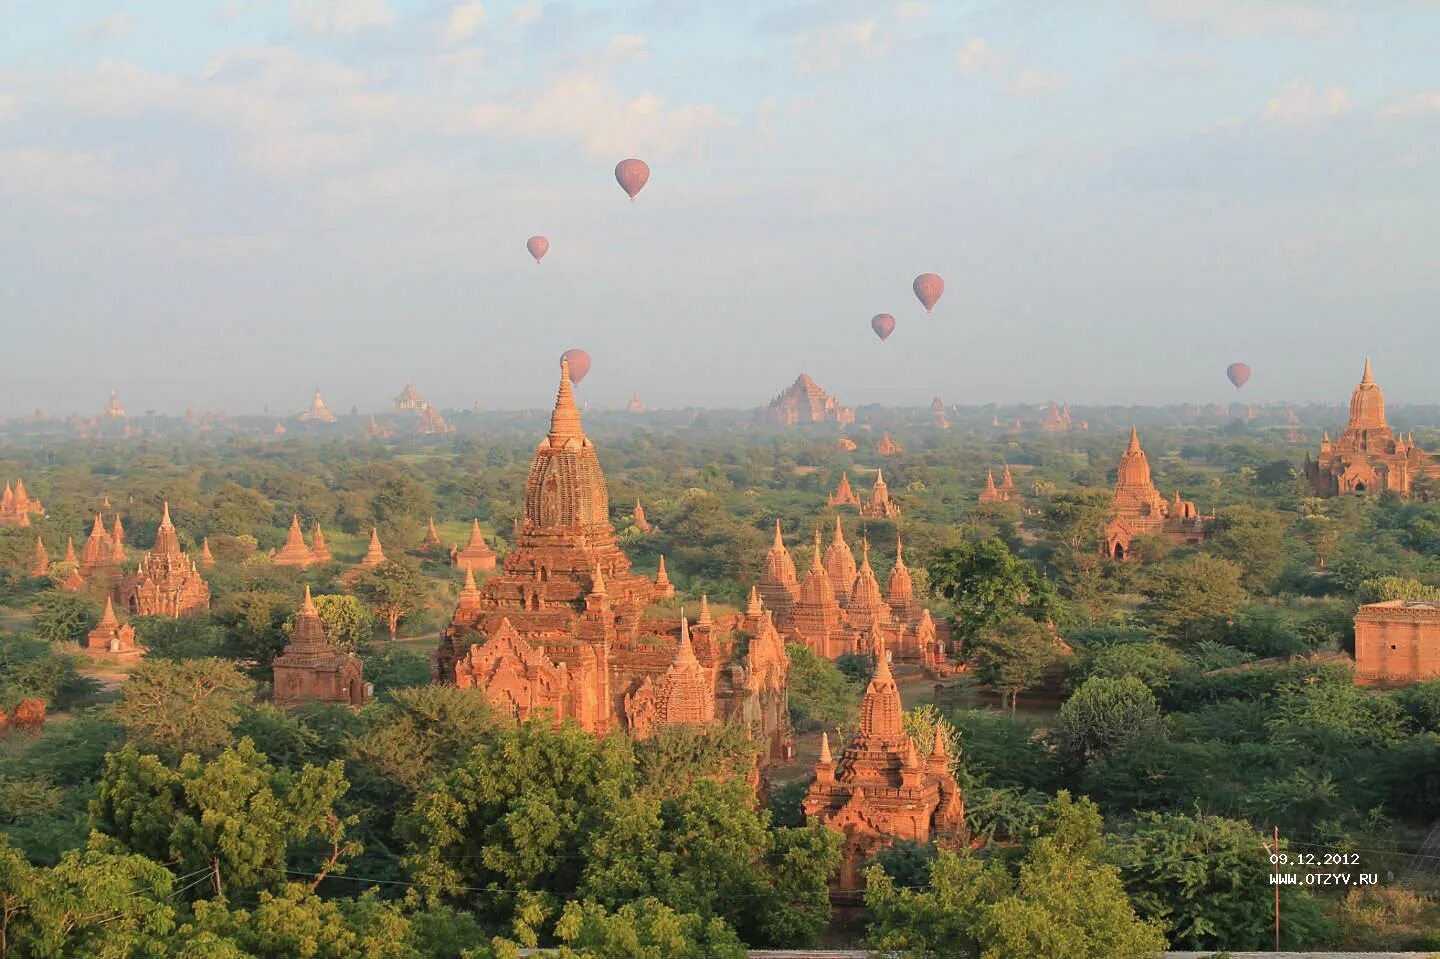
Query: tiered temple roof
{"points": [[311, 669], [880, 505], [110, 640], [1004, 492], [17, 506], [318, 411], [432, 538], [431, 422], [938, 419], [113, 409], [805, 402], [844, 495], [374, 553], [408, 399], [1369, 455], [562, 626], [888, 447], [881, 790], [1137, 508], [475, 554], [167, 582], [41, 564], [295, 552]]}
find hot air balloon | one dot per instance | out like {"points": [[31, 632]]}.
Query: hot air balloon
{"points": [[883, 324], [538, 247], [579, 362], [928, 288], [1239, 374], [631, 175]]}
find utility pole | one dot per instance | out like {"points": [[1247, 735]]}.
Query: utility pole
{"points": [[1277, 888]]}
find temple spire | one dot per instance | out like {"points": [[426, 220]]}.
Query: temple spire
{"points": [[307, 608], [685, 653], [825, 756], [839, 533], [753, 607], [704, 618], [1366, 379], [597, 582], [779, 542], [109, 620], [165, 516], [1134, 446], [565, 419]]}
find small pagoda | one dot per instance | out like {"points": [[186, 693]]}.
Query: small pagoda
{"points": [[475, 554], [880, 505], [294, 552], [318, 411], [844, 495], [110, 640], [167, 582], [311, 669]]}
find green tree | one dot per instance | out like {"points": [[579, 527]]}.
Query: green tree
{"points": [[987, 585], [644, 929], [1063, 901], [65, 617], [1154, 664], [392, 590], [232, 818], [1253, 539], [821, 696], [1107, 714], [1199, 876], [292, 921], [1189, 600], [347, 623], [189, 706], [1012, 655]]}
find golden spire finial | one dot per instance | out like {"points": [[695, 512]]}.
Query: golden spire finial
{"points": [[565, 420]]}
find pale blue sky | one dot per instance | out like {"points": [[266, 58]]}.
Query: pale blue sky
{"points": [[224, 205]]}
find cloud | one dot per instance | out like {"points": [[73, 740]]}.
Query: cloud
{"points": [[977, 57], [1299, 100], [586, 110], [9, 105], [465, 20], [835, 47], [112, 27], [341, 16], [525, 14], [911, 10], [1425, 101], [68, 180], [627, 45], [1033, 83], [1247, 18]]}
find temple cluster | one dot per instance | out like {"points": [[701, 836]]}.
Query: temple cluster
{"points": [[563, 627]]}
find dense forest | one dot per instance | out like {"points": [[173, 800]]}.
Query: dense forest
{"points": [[1122, 794]]}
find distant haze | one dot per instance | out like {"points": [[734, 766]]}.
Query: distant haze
{"points": [[227, 205]]}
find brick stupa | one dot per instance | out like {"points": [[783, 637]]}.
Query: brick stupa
{"points": [[110, 640], [881, 790], [563, 626], [880, 505], [294, 552], [475, 554], [805, 402], [1137, 508], [16, 506], [167, 582], [311, 669], [1368, 456]]}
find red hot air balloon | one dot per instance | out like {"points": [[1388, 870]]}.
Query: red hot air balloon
{"points": [[579, 362], [538, 247], [1239, 374], [632, 175], [883, 324], [928, 288]]}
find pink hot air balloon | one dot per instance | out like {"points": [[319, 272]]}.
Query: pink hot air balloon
{"points": [[928, 288], [538, 247], [632, 175], [883, 324], [579, 362], [1239, 374]]}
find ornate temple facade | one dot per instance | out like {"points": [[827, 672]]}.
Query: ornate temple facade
{"points": [[318, 411], [167, 582], [880, 505], [1397, 642], [882, 789], [1002, 493], [311, 669], [839, 607], [110, 640], [17, 506], [1368, 455], [805, 402], [563, 626], [1137, 508]]}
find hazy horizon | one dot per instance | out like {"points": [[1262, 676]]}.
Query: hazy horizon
{"points": [[227, 205]]}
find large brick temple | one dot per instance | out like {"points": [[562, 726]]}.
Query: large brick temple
{"points": [[883, 789], [1138, 509], [1368, 456], [565, 625]]}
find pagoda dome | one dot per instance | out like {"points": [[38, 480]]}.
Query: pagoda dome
{"points": [[566, 488]]}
